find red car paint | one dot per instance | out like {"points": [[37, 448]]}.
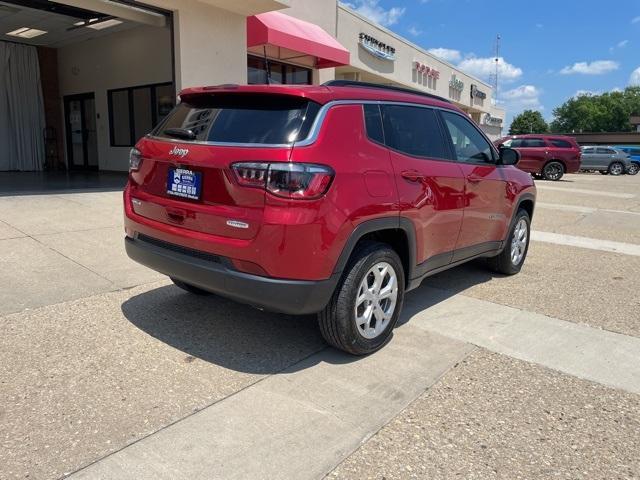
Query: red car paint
{"points": [[534, 158], [451, 206]]}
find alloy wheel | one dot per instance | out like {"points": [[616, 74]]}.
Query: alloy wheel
{"points": [[519, 241], [616, 169], [376, 300]]}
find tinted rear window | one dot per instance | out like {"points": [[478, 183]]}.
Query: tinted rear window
{"points": [[557, 142], [243, 118], [373, 123], [413, 130], [533, 142]]}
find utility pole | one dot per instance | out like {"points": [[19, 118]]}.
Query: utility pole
{"points": [[494, 77]]}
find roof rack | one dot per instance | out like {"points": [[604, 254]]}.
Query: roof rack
{"points": [[353, 83]]}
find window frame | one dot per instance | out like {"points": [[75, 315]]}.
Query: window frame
{"points": [[285, 69], [154, 117]]}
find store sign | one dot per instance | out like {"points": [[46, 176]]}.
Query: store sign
{"points": [[491, 120], [477, 93], [377, 48], [425, 70], [455, 84]]}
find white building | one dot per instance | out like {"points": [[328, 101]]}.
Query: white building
{"points": [[101, 73]]}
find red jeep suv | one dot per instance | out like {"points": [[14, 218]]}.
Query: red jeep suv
{"points": [[546, 156], [333, 199]]}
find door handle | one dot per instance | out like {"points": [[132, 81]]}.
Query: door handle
{"points": [[412, 175]]}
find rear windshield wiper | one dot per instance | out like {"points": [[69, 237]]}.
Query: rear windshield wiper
{"points": [[182, 133]]}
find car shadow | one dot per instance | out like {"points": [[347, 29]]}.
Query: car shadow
{"points": [[244, 339], [229, 334]]}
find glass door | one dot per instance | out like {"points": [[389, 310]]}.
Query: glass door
{"points": [[80, 125]]}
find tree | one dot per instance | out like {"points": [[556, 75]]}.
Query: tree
{"points": [[529, 121], [608, 112]]}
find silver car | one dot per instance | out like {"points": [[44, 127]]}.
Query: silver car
{"points": [[605, 159]]}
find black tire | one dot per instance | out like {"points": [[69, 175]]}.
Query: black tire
{"points": [[503, 263], [187, 287], [553, 171], [633, 169], [616, 168], [604, 172], [338, 320]]}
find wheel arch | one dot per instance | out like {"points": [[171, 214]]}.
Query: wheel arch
{"points": [[397, 232]]}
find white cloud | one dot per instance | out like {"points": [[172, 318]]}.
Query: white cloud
{"points": [[634, 79], [581, 93], [414, 31], [373, 11], [623, 43], [447, 54], [484, 67], [597, 67], [636, 19], [524, 97]]}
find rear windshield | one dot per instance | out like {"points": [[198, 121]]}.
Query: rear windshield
{"points": [[242, 118]]}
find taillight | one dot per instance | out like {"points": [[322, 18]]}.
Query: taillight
{"points": [[135, 158], [288, 180]]}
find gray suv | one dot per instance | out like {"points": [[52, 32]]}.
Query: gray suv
{"points": [[605, 159]]}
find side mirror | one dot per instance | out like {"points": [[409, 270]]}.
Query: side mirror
{"points": [[509, 156]]}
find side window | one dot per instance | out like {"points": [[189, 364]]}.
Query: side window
{"points": [[559, 143], [588, 151], [533, 143], [516, 143], [469, 144], [373, 123], [508, 143], [413, 130], [604, 151]]}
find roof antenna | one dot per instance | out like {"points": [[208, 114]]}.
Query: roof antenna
{"points": [[266, 64]]}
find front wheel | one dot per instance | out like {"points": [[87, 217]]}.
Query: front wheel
{"points": [[616, 168], [365, 307], [553, 171], [511, 259], [633, 169]]}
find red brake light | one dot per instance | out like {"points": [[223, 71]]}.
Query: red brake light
{"points": [[288, 180]]}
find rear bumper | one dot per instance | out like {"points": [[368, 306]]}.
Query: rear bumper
{"points": [[216, 275]]}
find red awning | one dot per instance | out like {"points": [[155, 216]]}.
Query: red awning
{"points": [[280, 30]]}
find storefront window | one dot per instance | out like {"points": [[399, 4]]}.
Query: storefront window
{"points": [[134, 111], [281, 73]]}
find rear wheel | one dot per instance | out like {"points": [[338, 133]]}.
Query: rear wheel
{"points": [[553, 171], [365, 307], [616, 168], [633, 169], [187, 287], [511, 259]]}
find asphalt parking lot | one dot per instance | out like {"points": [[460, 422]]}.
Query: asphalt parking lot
{"points": [[108, 371]]}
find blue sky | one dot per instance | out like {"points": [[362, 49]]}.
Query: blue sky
{"points": [[551, 50]]}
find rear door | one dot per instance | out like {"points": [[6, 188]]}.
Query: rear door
{"points": [[603, 157], [535, 154], [430, 187], [487, 197], [185, 178], [589, 159]]}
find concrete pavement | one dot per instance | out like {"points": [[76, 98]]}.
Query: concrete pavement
{"points": [[101, 364]]}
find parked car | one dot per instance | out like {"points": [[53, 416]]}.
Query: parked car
{"points": [[547, 156], [605, 159], [634, 157], [333, 199]]}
